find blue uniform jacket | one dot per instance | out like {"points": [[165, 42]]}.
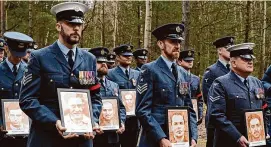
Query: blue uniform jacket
{"points": [[211, 73], [228, 98], [48, 70], [111, 89], [117, 75], [10, 89], [158, 89], [266, 80], [196, 93]]}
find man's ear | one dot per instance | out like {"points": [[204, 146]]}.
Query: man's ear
{"points": [[58, 27], [160, 44]]}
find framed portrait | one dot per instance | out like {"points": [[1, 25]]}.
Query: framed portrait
{"points": [[178, 126], [110, 115], [255, 127], [15, 121], [128, 97], [195, 107], [75, 110]]}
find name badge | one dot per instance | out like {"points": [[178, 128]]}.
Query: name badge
{"points": [[86, 77], [259, 93], [183, 88]]}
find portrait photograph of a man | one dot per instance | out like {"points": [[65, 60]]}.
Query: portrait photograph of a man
{"points": [[195, 107], [178, 127], [15, 120], [109, 117], [75, 111], [255, 128], [129, 99]]}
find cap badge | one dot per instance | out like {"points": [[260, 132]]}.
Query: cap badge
{"points": [[1, 44], [111, 56], [35, 46], [129, 48], [231, 39], [102, 52], [189, 53], [30, 44], [144, 52], [76, 9], [178, 29], [21, 45]]}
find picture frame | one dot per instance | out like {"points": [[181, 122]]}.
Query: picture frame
{"points": [[195, 107], [75, 110], [15, 121], [255, 127], [178, 125], [110, 115], [128, 97]]}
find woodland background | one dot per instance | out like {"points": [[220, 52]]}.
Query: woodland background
{"points": [[111, 23]]}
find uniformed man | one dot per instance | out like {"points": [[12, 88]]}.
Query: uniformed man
{"points": [[141, 57], [2, 50], [11, 74], [33, 46], [163, 84], [220, 68], [126, 78], [233, 93], [108, 89], [59, 66], [186, 61], [111, 63]]}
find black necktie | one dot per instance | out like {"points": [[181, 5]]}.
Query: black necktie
{"points": [[174, 70], [102, 82], [126, 73], [14, 70], [228, 66], [70, 60], [246, 84]]}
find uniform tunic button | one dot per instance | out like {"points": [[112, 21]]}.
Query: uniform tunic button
{"points": [[51, 80], [16, 94], [16, 84], [72, 74], [71, 87], [2, 88], [163, 89], [251, 102], [176, 95]]}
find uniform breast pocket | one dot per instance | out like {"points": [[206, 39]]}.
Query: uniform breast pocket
{"points": [[5, 93], [238, 101], [162, 95], [121, 85], [54, 81]]}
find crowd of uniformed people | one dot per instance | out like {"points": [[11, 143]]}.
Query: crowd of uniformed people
{"points": [[33, 75]]}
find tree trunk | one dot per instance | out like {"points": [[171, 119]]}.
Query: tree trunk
{"points": [[3, 17], [114, 34], [185, 20], [247, 29], [147, 31], [263, 52], [139, 16], [30, 19], [103, 27]]}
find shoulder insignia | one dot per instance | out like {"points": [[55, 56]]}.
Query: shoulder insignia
{"points": [[213, 99], [142, 88]]}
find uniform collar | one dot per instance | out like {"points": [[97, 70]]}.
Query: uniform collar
{"points": [[123, 69], [65, 50], [10, 65], [223, 62], [168, 62], [241, 78]]}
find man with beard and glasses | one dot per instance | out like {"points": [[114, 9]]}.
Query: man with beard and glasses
{"points": [[11, 75], [126, 78], [111, 63], [108, 89], [163, 84], [231, 95], [220, 68], [59, 66], [186, 60], [141, 57]]}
